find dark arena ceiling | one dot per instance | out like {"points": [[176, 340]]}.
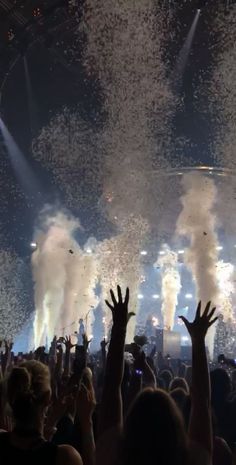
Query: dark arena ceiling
{"points": [[24, 23]]}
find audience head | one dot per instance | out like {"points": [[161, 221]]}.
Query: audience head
{"points": [[28, 391], [154, 431], [179, 383], [167, 376], [220, 386], [182, 400]]}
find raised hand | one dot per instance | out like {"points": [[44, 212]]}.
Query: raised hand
{"points": [[85, 404], [8, 345], [67, 341], [119, 307], [86, 342], [53, 347], [199, 327]]}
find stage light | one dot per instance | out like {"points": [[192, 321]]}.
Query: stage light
{"points": [[140, 296], [180, 252], [162, 252], [184, 338], [219, 247], [188, 296], [88, 250], [36, 12], [143, 252], [155, 321], [33, 245], [155, 296]]}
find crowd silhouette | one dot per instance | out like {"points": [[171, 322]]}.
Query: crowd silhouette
{"points": [[72, 407]]}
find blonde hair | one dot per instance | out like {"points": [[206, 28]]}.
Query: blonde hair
{"points": [[28, 386]]}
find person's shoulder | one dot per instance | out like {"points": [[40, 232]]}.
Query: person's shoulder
{"points": [[69, 455]]}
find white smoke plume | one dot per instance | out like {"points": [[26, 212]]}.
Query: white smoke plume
{"points": [[171, 285], [64, 277], [119, 263], [197, 222], [226, 278]]}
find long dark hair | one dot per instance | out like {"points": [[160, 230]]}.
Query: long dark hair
{"points": [[154, 431]]}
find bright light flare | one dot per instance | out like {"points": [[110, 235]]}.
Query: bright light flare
{"points": [[155, 321], [143, 252], [188, 296]]}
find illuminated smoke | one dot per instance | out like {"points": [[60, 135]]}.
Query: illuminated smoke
{"points": [[197, 223], [171, 285], [125, 46], [124, 53], [64, 278], [226, 277], [119, 263], [80, 299]]}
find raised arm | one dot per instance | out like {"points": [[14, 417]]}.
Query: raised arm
{"points": [[111, 405], [6, 358], [200, 426], [84, 415], [67, 361]]}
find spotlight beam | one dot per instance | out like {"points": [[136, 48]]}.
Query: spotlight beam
{"points": [[21, 167]]}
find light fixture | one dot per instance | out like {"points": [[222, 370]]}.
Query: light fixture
{"points": [[143, 252], [33, 245], [219, 247], [155, 296], [180, 252], [188, 296], [88, 250], [140, 296], [162, 252]]}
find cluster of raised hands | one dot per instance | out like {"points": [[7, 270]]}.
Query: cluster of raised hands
{"points": [[197, 329]]}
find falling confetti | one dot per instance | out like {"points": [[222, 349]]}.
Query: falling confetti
{"points": [[14, 295], [170, 287]]}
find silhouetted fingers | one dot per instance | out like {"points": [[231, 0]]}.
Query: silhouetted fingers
{"points": [[198, 311], [109, 305], [213, 321], [113, 297], [208, 305], [211, 313], [130, 315], [186, 322], [119, 294], [127, 296]]}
